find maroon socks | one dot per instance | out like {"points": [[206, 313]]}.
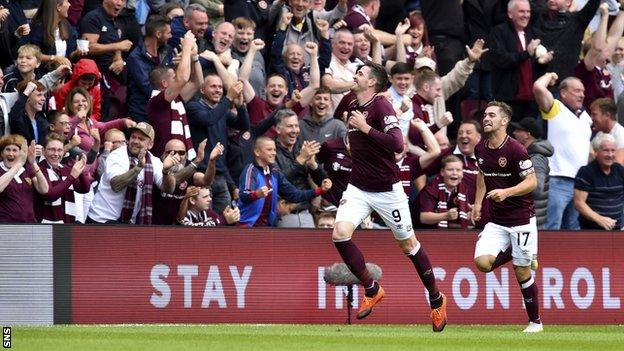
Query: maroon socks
{"points": [[423, 266], [529, 293], [354, 259]]}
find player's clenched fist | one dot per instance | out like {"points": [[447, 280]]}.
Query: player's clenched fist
{"points": [[358, 121], [326, 184]]}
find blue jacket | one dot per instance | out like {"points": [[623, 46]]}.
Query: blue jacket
{"points": [[140, 64], [251, 179]]}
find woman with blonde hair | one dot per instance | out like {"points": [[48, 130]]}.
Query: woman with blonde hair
{"points": [[195, 210]]}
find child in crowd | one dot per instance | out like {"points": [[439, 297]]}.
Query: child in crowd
{"points": [[195, 210]]}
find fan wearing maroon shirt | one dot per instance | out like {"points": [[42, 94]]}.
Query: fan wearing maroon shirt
{"points": [[20, 177], [165, 109], [58, 204], [374, 138], [508, 179]]}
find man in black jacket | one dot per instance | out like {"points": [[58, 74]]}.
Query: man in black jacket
{"points": [[514, 63], [27, 117], [562, 31]]}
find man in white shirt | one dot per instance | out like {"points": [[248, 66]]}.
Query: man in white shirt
{"points": [[125, 191], [339, 76], [569, 132]]}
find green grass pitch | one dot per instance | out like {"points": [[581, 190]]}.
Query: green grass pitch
{"points": [[234, 337]]}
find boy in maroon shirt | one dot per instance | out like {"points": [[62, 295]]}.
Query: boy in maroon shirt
{"points": [[374, 138], [508, 179]]}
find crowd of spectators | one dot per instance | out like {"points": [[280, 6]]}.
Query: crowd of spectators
{"points": [[234, 112]]}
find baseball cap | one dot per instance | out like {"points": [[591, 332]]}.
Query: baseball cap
{"points": [[144, 128], [529, 124], [424, 61]]}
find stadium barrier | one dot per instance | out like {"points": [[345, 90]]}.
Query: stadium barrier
{"points": [[133, 274]]}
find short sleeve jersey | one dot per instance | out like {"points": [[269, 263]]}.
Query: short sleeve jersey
{"points": [[337, 163], [505, 167], [16, 200], [374, 165], [98, 22]]}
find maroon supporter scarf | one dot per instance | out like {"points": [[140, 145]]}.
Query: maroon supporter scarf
{"points": [[460, 201], [145, 213], [53, 211]]}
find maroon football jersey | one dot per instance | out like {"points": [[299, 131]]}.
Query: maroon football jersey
{"points": [[337, 163], [374, 165], [505, 167]]}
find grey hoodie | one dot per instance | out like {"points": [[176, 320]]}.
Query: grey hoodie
{"points": [[539, 152], [327, 128]]}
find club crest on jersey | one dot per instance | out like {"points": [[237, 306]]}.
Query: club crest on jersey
{"points": [[502, 161]]}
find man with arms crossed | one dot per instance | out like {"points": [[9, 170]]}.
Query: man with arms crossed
{"points": [[374, 137], [507, 178]]}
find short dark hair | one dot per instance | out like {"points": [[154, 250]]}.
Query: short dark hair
{"points": [[475, 123], [276, 75], [53, 116], [155, 23], [400, 68], [156, 76], [606, 105], [282, 114], [378, 72], [503, 107]]}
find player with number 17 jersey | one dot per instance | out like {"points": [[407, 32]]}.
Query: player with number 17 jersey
{"points": [[504, 167]]}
